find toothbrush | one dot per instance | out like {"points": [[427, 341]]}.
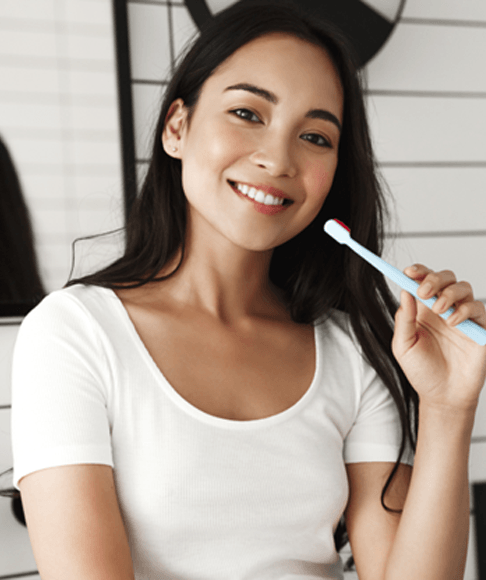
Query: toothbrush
{"points": [[341, 234]]}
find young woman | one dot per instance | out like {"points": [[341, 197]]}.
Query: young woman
{"points": [[209, 406]]}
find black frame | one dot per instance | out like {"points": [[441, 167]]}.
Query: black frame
{"points": [[125, 104], [479, 498]]}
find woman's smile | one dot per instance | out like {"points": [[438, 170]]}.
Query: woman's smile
{"points": [[267, 200]]}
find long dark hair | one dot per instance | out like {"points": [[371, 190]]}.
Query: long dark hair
{"points": [[19, 268], [315, 273]]}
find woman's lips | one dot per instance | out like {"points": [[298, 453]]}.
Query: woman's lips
{"points": [[260, 207]]}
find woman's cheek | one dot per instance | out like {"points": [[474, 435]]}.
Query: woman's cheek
{"points": [[320, 179]]}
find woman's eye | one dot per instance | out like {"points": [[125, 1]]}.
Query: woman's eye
{"points": [[245, 114], [318, 140]]}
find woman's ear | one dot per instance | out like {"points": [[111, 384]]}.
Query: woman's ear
{"points": [[175, 123]]}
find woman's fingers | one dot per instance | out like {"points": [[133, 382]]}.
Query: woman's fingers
{"points": [[456, 294], [417, 272], [431, 283], [450, 293], [474, 310]]}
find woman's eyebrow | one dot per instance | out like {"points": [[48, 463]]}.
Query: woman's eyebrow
{"points": [[272, 98]]}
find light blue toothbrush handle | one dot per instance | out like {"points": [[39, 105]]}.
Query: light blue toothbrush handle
{"points": [[470, 328]]}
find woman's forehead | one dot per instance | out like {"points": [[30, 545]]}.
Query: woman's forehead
{"points": [[281, 62], [265, 50]]}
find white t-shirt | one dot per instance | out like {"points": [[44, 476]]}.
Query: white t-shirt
{"points": [[202, 498]]}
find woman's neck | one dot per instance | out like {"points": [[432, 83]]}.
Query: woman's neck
{"points": [[226, 281]]}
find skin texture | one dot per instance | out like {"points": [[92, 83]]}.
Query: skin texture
{"points": [[221, 307]]}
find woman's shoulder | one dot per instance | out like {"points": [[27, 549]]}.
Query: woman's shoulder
{"points": [[336, 325], [73, 306]]}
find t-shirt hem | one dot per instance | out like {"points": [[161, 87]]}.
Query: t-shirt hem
{"points": [[93, 454], [369, 453]]}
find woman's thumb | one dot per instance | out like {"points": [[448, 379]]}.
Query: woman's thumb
{"points": [[405, 334]]}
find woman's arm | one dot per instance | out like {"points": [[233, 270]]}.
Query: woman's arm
{"points": [[432, 537], [429, 540], [75, 525]]}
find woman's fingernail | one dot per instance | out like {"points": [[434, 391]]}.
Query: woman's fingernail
{"points": [[452, 318], [426, 288], [440, 304]]}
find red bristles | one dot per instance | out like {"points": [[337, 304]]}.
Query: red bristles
{"points": [[341, 224]]}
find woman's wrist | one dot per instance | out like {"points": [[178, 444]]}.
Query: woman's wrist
{"points": [[449, 410], [445, 425]]}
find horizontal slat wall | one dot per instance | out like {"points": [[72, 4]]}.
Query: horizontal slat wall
{"points": [[450, 10], [8, 335], [426, 57], [461, 254], [438, 199], [422, 131], [16, 557], [58, 117]]}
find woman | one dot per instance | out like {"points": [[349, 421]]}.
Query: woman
{"points": [[209, 405]]}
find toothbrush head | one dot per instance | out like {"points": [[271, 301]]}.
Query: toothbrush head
{"points": [[337, 230]]}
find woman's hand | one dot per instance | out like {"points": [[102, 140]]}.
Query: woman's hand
{"points": [[444, 366]]}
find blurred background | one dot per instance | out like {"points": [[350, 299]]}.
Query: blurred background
{"points": [[81, 83]]}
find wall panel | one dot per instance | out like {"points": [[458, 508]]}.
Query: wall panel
{"points": [[147, 101], [479, 431], [459, 254], [8, 335], [409, 129], [16, 553], [438, 199], [477, 463], [150, 54], [58, 109], [183, 28], [461, 10], [436, 58]]}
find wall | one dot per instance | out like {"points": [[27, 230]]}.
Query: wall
{"points": [[59, 118]]}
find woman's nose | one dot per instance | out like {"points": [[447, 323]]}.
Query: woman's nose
{"points": [[275, 154]]}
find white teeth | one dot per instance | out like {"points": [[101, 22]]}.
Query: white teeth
{"points": [[259, 196]]}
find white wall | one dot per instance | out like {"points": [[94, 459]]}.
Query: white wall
{"points": [[59, 119]]}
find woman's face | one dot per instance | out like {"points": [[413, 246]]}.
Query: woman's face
{"points": [[269, 119]]}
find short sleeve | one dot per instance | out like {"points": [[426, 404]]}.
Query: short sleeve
{"points": [[376, 433], [59, 389]]}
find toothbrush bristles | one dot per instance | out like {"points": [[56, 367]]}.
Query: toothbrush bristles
{"points": [[343, 225]]}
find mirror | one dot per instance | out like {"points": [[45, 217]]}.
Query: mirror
{"points": [[59, 123]]}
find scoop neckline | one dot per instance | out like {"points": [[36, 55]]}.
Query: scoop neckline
{"points": [[201, 415]]}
